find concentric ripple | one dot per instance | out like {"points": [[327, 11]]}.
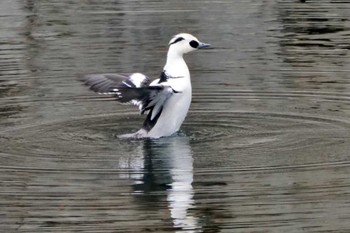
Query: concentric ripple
{"points": [[239, 138], [265, 147]]}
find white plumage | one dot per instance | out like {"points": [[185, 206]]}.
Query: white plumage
{"points": [[165, 100]]}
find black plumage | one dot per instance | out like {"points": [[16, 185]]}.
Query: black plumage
{"points": [[134, 89]]}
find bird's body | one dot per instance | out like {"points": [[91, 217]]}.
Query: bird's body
{"points": [[166, 100]]}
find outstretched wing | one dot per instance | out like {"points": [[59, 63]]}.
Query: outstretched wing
{"points": [[105, 83], [134, 88]]}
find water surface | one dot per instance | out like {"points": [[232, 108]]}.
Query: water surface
{"points": [[265, 147]]}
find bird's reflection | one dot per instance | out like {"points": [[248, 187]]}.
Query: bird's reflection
{"points": [[168, 167]]}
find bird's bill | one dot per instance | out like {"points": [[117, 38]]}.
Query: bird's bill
{"points": [[203, 45]]}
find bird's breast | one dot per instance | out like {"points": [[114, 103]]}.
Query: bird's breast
{"points": [[180, 84]]}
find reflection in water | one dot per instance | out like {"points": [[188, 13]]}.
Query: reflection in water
{"points": [[168, 166]]}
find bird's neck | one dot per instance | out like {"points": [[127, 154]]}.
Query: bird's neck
{"points": [[175, 64]]}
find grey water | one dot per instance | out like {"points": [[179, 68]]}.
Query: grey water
{"points": [[265, 146]]}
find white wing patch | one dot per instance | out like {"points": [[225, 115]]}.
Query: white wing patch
{"points": [[138, 79]]}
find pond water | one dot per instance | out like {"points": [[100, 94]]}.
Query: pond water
{"points": [[265, 146]]}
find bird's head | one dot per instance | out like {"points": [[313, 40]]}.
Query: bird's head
{"points": [[184, 43]]}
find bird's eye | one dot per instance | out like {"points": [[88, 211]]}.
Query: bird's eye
{"points": [[194, 44], [177, 40]]}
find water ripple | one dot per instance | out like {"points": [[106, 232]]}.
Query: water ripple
{"points": [[265, 147]]}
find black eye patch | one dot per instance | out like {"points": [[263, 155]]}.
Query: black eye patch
{"points": [[177, 40], [194, 44]]}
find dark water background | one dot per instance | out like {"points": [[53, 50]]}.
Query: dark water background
{"points": [[265, 147]]}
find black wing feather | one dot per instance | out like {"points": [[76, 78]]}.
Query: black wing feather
{"points": [[131, 89], [105, 83]]}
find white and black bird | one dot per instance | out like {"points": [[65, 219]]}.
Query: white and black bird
{"points": [[165, 100]]}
